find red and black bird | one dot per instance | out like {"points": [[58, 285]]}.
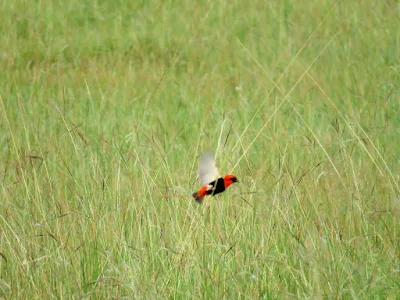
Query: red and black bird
{"points": [[208, 174]]}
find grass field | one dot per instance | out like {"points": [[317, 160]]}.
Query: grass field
{"points": [[106, 106]]}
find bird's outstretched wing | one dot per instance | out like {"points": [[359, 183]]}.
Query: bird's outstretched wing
{"points": [[208, 171]]}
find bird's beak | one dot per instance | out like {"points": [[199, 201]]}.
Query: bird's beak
{"points": [[235, 180]]}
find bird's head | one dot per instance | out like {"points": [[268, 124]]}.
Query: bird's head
{"points": [[229, 179]]}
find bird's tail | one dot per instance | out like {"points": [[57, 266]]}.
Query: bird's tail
{"points": [[198, 197], [200, 194]]}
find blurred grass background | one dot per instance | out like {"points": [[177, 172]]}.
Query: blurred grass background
{"points": [[106, 106]]}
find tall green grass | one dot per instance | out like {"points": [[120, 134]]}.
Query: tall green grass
{"points": [[106, 106]]}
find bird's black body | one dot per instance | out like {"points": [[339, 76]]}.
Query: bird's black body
{"points": [[214, 187], [218, 187]]}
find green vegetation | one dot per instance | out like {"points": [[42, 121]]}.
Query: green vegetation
{"points": [[106, 105]]}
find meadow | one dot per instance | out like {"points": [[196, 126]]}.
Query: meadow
{"points": [[106, 106]]}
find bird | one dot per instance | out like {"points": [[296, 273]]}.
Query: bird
{"points": [[210, 181]]}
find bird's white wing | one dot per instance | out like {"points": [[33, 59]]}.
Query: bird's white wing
{"points": [[208, 171]]}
